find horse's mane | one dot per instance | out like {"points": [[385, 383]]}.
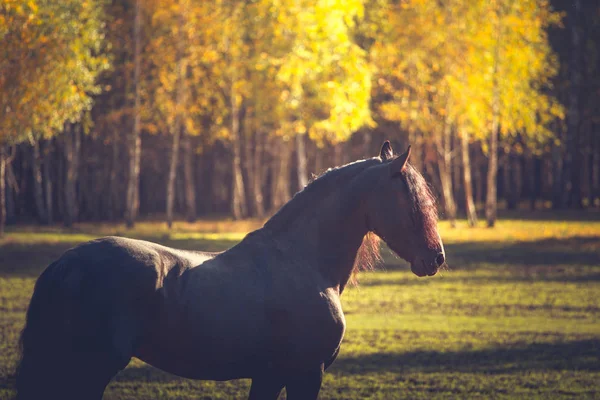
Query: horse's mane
{"points": [[425, 209], [368, 256], [317, 190]]}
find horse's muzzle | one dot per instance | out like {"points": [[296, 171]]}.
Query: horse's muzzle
{"points": [[430, 268]]}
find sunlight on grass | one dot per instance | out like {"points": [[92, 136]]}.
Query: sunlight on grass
{"points": [[517, 316], [505, 231], [518, 230], [208, 236]]}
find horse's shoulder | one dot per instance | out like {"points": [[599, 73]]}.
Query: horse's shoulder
{"points": [[107, 248]]}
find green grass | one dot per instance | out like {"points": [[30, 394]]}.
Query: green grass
{"points": [[517, 316]]}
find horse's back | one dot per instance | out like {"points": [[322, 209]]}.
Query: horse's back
{"points": [[111, 262], [117, 284]]}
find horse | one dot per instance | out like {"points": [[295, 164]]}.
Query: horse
{"points": [[267, 309]]}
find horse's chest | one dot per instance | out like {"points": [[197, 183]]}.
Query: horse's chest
{"points": [[306, 332]]}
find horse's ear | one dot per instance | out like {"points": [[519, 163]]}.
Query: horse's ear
{"points": [[386, 152], [399, 164]]}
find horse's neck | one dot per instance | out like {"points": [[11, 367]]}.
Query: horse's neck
{"points": [[329, 240], [342, 235]]}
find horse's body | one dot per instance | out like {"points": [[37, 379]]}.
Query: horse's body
{"points": [[267, 309]]}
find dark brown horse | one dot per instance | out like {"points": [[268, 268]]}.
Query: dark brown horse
{"points": [[267, 309]]}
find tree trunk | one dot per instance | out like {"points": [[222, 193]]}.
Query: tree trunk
{"points": [[180, 107], [417, 150], [112, 179], [257, 179], [220, 172], [280, 173], [239, 207], [12, 188], [491, 205], [3, 160], [38, 191], [507, 180], [62, 173], [572, 167], [72, 139], [595, 167], [478, 176], [318, 161], [517, 179], [301, 162], [248, 172], [491, 199], [188, 175], [135, 140], [532, 177], [48, 181], [445, 168], [338, 154], [557, 177], [430, 168], [456, 172], [172, 174], [366, 145], [466, 167], [238, 202]]}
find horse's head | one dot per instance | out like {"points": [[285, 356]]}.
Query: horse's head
{"points": [[402, 212]]}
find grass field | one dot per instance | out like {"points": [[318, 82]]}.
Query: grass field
{"points": [[517, 316]]}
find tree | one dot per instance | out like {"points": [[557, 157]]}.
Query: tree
{"points": [[481, 79], [417, 59], [327, 74], [518, 65], [52, 56]]}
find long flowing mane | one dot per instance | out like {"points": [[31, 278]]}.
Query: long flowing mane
{"points": [[368, 255], [425, 210]]}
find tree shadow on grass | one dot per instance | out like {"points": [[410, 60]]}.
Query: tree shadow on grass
{"points": [[581, 355], [531, 260], [578, 250], [585, 215], [574, 251], [518, 275]]}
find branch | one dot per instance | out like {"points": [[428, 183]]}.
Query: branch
{"points": [[10, 177], [13, 153]]}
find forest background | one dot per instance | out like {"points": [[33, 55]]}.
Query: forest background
{"points": [[166, 109]]}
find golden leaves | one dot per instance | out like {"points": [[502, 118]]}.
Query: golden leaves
{"points": [[461, 53], [51, 65]]}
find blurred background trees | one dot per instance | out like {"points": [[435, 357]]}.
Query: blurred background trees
{"points": [[113, 110]]}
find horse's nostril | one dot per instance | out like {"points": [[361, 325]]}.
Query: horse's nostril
{"points": [[439, 260]]}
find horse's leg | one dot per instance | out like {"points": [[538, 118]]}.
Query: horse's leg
{"points": [[91, 372], [66, 373], [267, 387], [305, 385]]}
